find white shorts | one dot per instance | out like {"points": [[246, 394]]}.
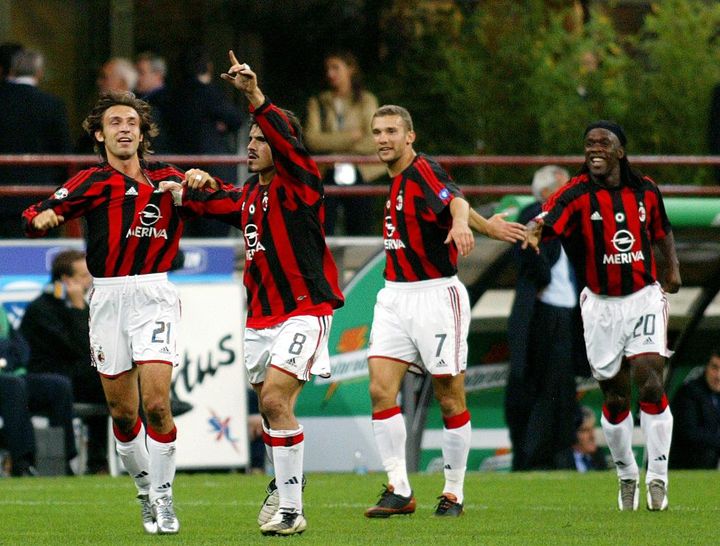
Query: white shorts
{"points": [[298, 347], [423, 324], [133, 320], [624, 326]]}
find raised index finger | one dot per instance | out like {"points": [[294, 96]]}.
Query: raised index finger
{"points": [[233, 58]]}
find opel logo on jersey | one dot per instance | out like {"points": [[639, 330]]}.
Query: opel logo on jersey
{"points": [[252, 241], [61, 193], [389, 227], [388, 241], [623, 240], [150, 215]]}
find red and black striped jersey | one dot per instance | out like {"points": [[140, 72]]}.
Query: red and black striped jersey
{"points": [[289, 269], [609, 232], [417, 222], [132, 228]]}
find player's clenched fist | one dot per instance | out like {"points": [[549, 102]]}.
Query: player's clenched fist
{"points": [[47, 219]]}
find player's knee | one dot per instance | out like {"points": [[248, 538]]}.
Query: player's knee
{"points": [[450, 405], [274, 405], [651, 391], [124, 422], [616, 403], [156, 410]]}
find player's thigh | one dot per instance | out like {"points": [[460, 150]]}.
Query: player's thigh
{"points": [[300, 344], [257, 344], [441, 329], [109, 342], [389, 338], [122, 393], [647, 323], [155, 381]]}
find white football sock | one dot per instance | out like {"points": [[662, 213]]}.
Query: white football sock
{"points": [[161, 448], [134, 456], [288, 461], [657, 429], [455, 449], [619, 440], [390, 437]]}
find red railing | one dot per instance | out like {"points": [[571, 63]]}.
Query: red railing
{"points": [[75, 162]]}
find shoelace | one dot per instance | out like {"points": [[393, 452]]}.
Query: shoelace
{"points": [[165, 509], [444, 504], [627, 492], [288, 517], [146, 509]]}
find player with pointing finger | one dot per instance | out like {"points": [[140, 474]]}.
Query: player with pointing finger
{"points": [[291, 282]]}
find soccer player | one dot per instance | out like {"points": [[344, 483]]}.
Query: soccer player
{"points": [[133, 233], [609, 216], [291, 282], [422, 314]]}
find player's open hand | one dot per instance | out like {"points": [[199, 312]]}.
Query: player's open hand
{"points": [[47, 219], [502, 230], [197, 180], [533, 232], [463, 238]]}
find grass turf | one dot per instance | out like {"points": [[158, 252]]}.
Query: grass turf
{"points": [[217, 509]]}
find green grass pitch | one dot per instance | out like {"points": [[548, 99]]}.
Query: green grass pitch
{"points": [[217, 509]]}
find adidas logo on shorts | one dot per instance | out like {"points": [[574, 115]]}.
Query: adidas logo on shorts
{"points": [[648, 341], [165, 350]]}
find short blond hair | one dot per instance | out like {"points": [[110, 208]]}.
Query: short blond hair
{"points": [[394, 110]]}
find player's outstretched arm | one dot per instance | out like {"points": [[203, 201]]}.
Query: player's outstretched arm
{"points": [[497, 227]]}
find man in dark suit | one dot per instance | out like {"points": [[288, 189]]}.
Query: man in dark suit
{"points": [[540, 404], [31, 122], [696, 408]]}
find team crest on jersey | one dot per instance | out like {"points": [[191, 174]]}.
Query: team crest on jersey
{"points": [[399, 201], [388, 204], [641, 212], [149, 216], [252, 241], [264, 202], [61, 193]]}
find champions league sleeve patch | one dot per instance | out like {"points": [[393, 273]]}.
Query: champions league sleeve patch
{"points": [[444, 194], [61, 193]]}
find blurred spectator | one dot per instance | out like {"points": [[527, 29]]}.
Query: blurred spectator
{"points": [[152, 70], [117, 74], [55, 326], [696, 408], [7, 50], [31, 122], [202, 120], [585, 450], [23, 394], [540, 394], [338, 122]]}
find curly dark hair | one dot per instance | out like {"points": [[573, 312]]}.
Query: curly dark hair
{"points": [[94, 121]]}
